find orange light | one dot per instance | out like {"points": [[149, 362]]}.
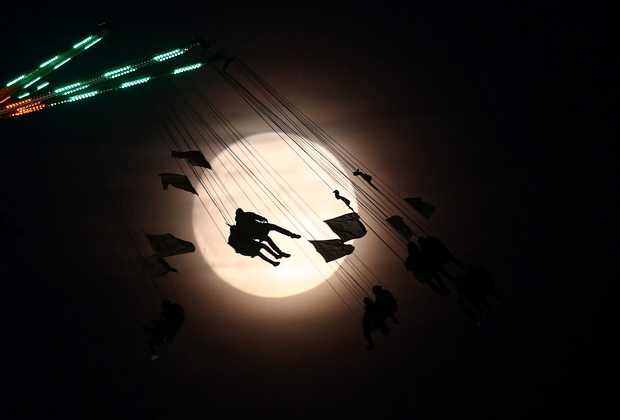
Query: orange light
{"points": [[5, 99], [13, 105], [28, 109]]}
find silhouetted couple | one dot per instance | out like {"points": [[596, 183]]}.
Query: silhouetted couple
{"points": [[427, 261], [376, 312], [473, 289], [163, 330], [250, 231]]}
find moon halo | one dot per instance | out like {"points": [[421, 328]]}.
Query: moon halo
{"points": [[301, 188]]}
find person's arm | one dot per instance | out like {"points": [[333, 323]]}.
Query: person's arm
{"points": [[255, 216]]}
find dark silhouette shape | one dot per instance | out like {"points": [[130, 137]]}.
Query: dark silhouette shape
{"points": [[347, 227], [257, 227], [153, 265], [401, 227], [178, 181], [343, 199], [194, 158], [423, 269], [473, 289], [173, 312], [9, 228], [164, 330], [332, 249], [386, 303], [483, 279], [469, 307], [437, 252], [425, 209], [366, 177], [372, 321], [244, 245]]}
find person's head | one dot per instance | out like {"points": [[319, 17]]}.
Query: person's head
{"points": [[377, 289], [367, 300], [412, 247], [239, 212]]}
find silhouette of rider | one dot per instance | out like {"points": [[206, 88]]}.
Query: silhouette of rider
{"points": [[163, 331], [423, 270], [386, 303], [437, 252], [257, 227], [244, 245], [372, 320]]}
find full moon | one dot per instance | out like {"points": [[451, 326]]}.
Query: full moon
{"points": [[307, 199]]}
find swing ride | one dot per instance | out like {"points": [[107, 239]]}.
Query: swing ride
{"points": [[307, 201]]}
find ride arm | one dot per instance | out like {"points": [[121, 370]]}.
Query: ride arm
{"points": [[17, 87], [134, 73]]}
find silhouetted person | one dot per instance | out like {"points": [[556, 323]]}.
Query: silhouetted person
{"points": [[163, 331], [372, 321], [9, 228], [423, 269], [386, 303], [469, 307], [173, 312], [475, 286], [437, 252], [244, 245], [366, 178], [257, 227], [483, 279]]}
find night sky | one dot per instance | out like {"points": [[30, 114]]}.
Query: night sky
{"points": [[479, 109]]}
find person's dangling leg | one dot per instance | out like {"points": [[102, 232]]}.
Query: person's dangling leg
{"points": [[262, 257], [281, 230], [368, 337]]}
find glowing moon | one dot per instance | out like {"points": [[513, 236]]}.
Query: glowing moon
{"points": [[305, 269]]}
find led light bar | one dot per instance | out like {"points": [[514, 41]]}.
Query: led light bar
{"points": [[79, 44], [50, 61], [61, 63], [15, 80], [187, 68], [168, 55], [83, 96], [119, 72], [92, 43], [64, 88], [32, 82], [135, 82], [75, 90]]}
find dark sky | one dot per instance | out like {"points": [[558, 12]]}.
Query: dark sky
{"points": [[478, 108]]}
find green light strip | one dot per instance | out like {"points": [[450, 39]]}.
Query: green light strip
{"points": [[121, 74], [62, 89], [23, 95], [188, 68], [83, 96], [43, 85], [79, 44], [75, 90], [31, 83], [115, 73], [15, 80], [166, 56], [135, 82], [92, 43], [51, 60], [61, 63]]}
